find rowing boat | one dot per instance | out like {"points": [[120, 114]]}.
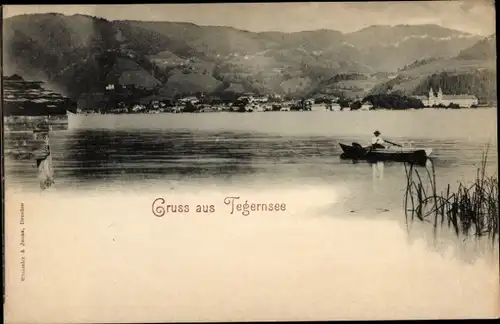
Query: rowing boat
{"points": [[395, 154]]}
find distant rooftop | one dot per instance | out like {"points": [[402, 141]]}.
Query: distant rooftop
{"points": [[21, 97], [14, 77], [461, 96]]}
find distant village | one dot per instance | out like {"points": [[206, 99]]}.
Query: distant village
{"points": [[113, 102], [203, 103], [23, 97]]}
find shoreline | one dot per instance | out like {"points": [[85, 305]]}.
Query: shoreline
{"points": [[60, 122], [155, 112]]}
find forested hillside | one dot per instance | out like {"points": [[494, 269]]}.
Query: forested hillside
{"points": [[472, 71], [77, 54]]}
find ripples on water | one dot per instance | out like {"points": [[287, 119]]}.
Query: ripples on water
{"points": [[267, 154], [124, 151], [101, 160]]}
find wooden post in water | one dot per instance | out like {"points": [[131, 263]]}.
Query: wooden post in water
{"points": [[30, 139], [31, 110], [43, 158]]}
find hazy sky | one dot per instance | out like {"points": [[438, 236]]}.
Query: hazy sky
{"points": [[474, 16]]}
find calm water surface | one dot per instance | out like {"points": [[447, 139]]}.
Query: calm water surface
{"points": [[342, 241], [262, 149]]}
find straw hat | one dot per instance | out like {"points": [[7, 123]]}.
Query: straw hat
{"points": [[376, 133]]}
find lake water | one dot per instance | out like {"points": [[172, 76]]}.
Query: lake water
{"points": [[341, 244], [262, 150]]}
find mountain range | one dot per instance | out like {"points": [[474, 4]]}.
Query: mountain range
{"points": [[79, 53]]}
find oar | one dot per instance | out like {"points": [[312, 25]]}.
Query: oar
{"points": [[394, 143]]}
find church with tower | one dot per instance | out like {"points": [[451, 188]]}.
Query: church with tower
{"points": [[436, 99]]}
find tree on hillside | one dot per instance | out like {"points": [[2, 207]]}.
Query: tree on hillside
{"points": [[356, 105], [190, 107], [344, 103], [393, 101], [418, 63]]}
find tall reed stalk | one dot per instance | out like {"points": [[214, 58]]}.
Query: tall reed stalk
{"points": [[468, 210]]}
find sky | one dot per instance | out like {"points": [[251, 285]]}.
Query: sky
{"points": [[473, 16]]}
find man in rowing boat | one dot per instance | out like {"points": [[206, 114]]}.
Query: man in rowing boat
{"points": [[378, 141]]}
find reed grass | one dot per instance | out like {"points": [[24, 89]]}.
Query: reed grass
{"points": [[470, 210]]}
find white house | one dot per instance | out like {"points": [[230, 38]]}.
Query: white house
{"points": [[261, 99], [192, 100], [138, 108], [319, 107], [462, 100], [366, 106]]}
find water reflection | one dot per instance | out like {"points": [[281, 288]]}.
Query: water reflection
{"points": [[430, 217], [95, 157], [203, 160], [111, 153], [378, 171], [443, 240]]}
